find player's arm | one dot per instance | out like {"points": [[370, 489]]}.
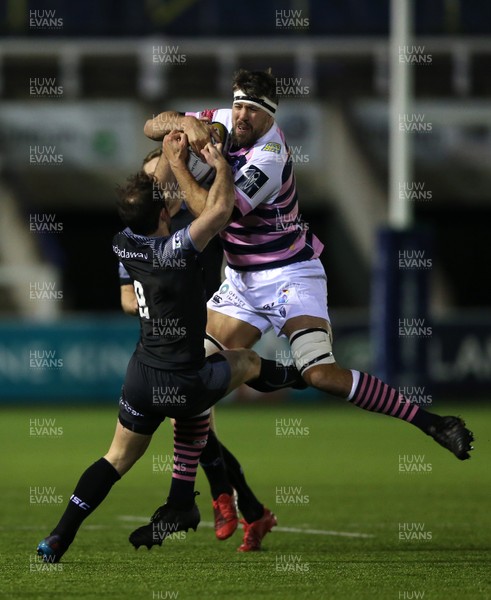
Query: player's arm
{"points": [[219, 202], [129, 303], [167, 184], [197, 131], [258, 181], [175, 149]]}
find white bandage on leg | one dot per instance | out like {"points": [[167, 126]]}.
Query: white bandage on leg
{"points": [[212, 345], [310, 347]]}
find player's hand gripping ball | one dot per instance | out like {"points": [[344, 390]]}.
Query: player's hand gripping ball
{"points": [[200, 170]]}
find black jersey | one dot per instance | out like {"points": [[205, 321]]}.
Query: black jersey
{"points": [[171, 299], [210, 259]]}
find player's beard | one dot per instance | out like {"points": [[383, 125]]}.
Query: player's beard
{"points": [[243, 139]]}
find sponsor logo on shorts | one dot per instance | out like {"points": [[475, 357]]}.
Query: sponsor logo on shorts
{"points": [[283, 296], [278, 306], [234, 299], [230, 296], [123, 404]]}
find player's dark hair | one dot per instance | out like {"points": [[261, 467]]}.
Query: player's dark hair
{"points": [[139, 203], [256, 83], [152, 154]]}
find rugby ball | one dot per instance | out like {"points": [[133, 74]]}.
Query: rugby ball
{"points": [[198, 167]]}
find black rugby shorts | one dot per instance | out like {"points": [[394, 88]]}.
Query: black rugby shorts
{"points": [[149, 395]]}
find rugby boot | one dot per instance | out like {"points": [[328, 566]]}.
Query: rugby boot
{"points": [[52, 549], [165, 521], [226, 518], [254, 532], [451, 433]]}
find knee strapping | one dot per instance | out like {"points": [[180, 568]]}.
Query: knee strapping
{"points": [[310, 347]]}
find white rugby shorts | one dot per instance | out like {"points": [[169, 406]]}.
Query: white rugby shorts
{"points": [[267, 299]]}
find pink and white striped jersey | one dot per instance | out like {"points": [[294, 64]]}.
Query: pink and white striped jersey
{"points": [[267, 230]]}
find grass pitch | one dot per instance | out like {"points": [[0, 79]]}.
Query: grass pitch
{"points": [[353, 522]]}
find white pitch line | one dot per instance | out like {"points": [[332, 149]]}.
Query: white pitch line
{"points": [[324, 532], [211, 525]]}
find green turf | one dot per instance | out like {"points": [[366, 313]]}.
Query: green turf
{"points": [[347, 466]]}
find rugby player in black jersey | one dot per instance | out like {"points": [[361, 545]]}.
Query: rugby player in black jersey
{"points": [[222, 469], [168, 375]]}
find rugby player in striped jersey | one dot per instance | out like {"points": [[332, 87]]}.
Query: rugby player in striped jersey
{"points": [[274, 278]]}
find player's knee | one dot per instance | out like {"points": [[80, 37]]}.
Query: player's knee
{"points": [[318, 376], [311, 348], [245, 364], [253, 359], [251, 363], [122, 463]]}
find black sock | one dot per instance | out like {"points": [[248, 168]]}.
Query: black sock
{"points": [[92, 488], [213, 465], [425, 420], [274, 376], [249, 505]]}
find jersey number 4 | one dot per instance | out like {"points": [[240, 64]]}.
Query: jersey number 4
{"points": [[140, 298]]}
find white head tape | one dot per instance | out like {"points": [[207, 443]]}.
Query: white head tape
{"points": [[265, 103]]}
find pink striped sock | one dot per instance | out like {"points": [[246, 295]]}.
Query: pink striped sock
{"points": [[372, 394], [190, 437]]}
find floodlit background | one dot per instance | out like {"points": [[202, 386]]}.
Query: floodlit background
{"points": [[367, 507], [77, 82]]}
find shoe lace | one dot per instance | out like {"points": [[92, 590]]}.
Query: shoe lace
{"points": [[157, 515]]}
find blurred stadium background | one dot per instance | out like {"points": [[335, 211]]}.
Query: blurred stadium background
{"points": [[77, 82]]}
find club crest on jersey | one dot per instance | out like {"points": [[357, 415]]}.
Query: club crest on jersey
{"points": [[177, 240], [251, 181], [272, 147]]}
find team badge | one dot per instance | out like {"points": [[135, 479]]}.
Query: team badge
{"points": [[272, 147], [177, 240]]}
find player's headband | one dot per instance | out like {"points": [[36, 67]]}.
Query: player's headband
{"points": [[265, 103]]}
